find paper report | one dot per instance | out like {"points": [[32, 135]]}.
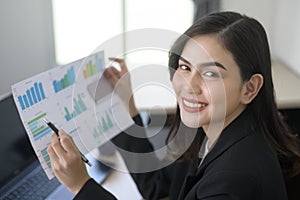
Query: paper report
{"points": [[76, 98]]}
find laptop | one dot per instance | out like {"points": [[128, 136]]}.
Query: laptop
{"points": [[21, 175]]}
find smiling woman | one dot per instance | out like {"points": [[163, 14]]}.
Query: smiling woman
{"points": [[200, 85], [240, 147]]}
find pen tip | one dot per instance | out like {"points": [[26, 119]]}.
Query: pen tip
{"points": [[45, 120]]}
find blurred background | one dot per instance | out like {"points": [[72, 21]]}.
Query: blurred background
{"points": [[38, 35]]}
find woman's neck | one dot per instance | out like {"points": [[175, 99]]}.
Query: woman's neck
{"points": [[213, 132], [215, 128]]}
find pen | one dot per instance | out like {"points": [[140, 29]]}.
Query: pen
{"points": [[83, 158]]}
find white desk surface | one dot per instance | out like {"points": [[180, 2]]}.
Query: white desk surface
{"points": [[119, 182], [122, 186]]}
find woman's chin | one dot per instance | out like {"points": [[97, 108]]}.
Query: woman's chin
{"points": [[191, 123]]}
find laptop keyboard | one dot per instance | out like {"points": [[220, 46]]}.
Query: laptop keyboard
{"points": [[37, 187]]}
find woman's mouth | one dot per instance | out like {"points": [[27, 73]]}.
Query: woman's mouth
{"points": [[193, 105]]}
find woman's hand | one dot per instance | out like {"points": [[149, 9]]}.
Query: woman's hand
{"points": [[120, 81], [66, 162]]}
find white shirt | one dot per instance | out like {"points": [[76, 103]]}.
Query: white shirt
{"points": [[204, 150]]}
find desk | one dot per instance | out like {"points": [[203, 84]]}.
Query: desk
{"points": [[118, 182], [122, 186]]}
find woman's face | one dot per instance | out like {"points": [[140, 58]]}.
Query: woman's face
{"points": [[207, 84]]}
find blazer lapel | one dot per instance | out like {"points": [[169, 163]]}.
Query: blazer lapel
{"points": [[190, 180], [241, 127]]}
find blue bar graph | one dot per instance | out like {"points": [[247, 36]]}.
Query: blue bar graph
{"points": [[32, 96], [26, 101], [37, 91], [29, 97], [21, 102], [66, 81], [42, 91]]}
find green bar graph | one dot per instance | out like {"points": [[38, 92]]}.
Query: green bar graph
{"points": [[104, 125], [93, 68], [78, 108]]}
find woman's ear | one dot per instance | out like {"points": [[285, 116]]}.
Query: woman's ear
{"points": [[251, 88]]}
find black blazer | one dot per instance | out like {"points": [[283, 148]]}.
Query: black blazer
{"points": [[241, 165]]}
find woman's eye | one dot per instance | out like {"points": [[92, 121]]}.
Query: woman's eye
{"points": [[211, 74], [184, 67]]}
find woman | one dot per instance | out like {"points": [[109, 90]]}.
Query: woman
{"points": [[242, 148]]}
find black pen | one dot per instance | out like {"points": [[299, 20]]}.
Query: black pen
{"points": [[83, 158]]}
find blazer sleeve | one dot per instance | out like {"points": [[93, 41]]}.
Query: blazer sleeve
{"points": [[151, 185], [92, 190]]}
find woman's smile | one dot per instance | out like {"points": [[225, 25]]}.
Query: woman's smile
{"points": [[191, 105]]}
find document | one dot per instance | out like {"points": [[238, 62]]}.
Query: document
{"points": [[74, 97]]}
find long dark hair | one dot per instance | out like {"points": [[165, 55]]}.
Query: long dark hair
{"points": [[247, 41]]}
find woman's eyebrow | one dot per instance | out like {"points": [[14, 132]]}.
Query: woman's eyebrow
{"points": [[206, 64], [184, 60]]}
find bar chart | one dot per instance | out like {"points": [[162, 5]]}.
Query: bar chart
{"points": [[46, 157], [38, 128], [105, 123], [66, 81], [63, 94], [93, 68], [78, 108], [32, 96]]}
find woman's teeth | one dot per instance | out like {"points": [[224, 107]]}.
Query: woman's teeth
{"points": [[194, 105]]}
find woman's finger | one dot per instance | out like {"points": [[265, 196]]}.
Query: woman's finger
{"points": [[118, 60], [115, 72], [121, 63], [52, 153], [109, 74], [53, 157], [56, 146], [67, 142]]}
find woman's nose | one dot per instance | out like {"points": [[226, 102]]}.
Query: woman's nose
{"points": [[195, 83]]}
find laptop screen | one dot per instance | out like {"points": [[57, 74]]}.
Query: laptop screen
{"points": [[16, 153]]}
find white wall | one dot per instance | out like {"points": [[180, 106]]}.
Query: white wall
{"points": [[281, 19], [262, 10], [26, 40], [287, 33], [27, 46]]}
